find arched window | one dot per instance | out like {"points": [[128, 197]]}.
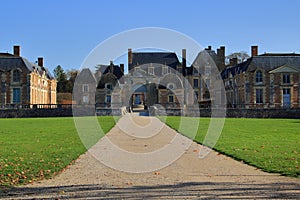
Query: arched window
{"points": [[259, 77], [16, 76]]}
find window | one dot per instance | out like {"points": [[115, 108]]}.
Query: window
{"points": [[196, 95], [170, 86], [207, 70], [171, 99], [259, 95], [85, 99], [286, 79], [85, 88], [3, 87], [286, 91], [165, 70], [259, 77], [196, 83], [207, 82], [109, 86], [16, 95], [151, 70], [16, 76], [108, 99]]}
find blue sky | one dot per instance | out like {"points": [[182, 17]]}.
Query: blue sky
{"points": [[64, 32]]}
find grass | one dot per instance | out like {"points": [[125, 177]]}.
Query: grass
{"points": [[36, 148], [272, 145]]}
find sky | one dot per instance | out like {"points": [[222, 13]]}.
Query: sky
{"points": [[64, 32]]}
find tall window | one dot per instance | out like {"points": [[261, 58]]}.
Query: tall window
{"points": [[85, 88], [165, 70], [259, 77], [196, 83], [108, 99], [196, 96], [85, 99], [171, 99], [259, 95], [16, 76], [207, 82], [16, 95], [286, 78], [151, 70]]}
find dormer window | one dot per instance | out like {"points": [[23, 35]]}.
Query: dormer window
{"points": [[109, 86], [196, 83], [151, 70], [165, 70], [170, 86], [259, 77], [16, 76], [286, 79]]}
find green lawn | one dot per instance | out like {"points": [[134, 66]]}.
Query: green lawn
{"points": [[272, 145], [36, 148]]}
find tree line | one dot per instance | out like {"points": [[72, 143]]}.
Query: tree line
{"points": [[65, 79]]}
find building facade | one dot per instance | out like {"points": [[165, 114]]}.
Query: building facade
{"points": [[23, 82], [264, 81]]}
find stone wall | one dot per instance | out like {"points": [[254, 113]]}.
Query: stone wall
{"points": [[204, 112], [28, 113], [234, 113]]}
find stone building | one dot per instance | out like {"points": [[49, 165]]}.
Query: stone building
{"points": [[156, 78], [264, 81], [23, 82]]}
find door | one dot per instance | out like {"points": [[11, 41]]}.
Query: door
{"points": [[16, 95], [286, 97]]}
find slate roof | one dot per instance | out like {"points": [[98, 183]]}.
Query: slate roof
{"points": [[85, 76], [116, 71], [266, 62], [166, 58], [10, 62]]}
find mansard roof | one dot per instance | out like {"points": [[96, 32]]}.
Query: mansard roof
{"points": [[10, 62], [267, 62], [166, 58]]}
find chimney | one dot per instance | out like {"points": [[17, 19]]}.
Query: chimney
{"points": [[208, 48], [17, 50], [129, 58], [183, 61], [122, 68], [41, 61], [221, 55], [234, 61], [254, 51]]}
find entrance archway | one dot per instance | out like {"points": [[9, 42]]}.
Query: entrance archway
{"points": [[139, 98]]}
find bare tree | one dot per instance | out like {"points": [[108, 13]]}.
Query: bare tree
{"points": [[241, 56]]}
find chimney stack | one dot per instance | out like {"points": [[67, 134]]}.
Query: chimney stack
{"points": [[221, 55], [129, 58], [234, 61], [17, 50], [122, 68], [41, 61], [183, 61], [254, 51]]}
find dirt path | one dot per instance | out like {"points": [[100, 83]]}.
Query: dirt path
{"points": [[215, 176]]}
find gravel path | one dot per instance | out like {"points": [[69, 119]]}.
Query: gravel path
{"points": [[189, 177]]}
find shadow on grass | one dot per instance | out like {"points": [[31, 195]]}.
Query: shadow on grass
{"points": [[211, 190]]}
